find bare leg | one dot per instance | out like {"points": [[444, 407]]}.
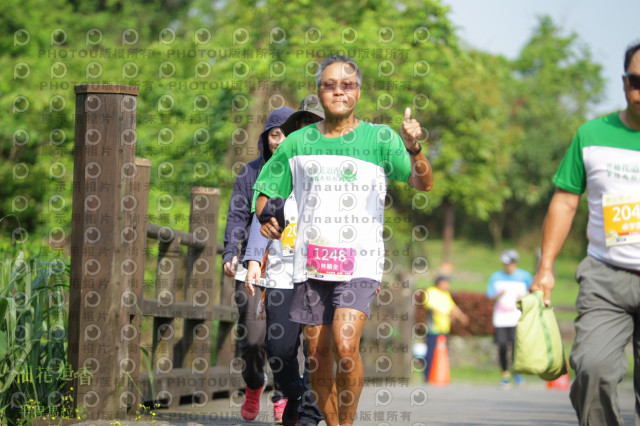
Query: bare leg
{"points": [[347, 329], [323, 384]]}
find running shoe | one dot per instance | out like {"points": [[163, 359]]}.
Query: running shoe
{"points": [[251, 403], [278, 409], [518, 380]]}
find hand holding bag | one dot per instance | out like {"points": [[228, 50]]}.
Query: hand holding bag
{"points": [[538, 346]]}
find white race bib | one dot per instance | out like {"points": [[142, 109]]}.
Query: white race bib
{"points": [[621, 214]]}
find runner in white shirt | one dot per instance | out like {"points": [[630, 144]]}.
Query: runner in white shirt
{"points": [[338, 171]]}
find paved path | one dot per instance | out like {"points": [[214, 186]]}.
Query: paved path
{"points": [[416, 405]]}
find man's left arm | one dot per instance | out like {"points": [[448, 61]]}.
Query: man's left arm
{"points": [[421, 177], [457, 313], [272, 186], [269, 229]]}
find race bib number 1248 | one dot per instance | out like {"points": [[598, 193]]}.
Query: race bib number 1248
{"points": [[330, 261]]}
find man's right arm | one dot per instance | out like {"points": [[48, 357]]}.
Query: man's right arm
{"points": [[555, 230]]}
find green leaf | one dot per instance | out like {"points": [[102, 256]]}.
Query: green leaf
{"points": [[4, 304], [4, 345]]}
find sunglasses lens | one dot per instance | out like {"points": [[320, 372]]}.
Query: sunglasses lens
{"points": [[634, 81]]}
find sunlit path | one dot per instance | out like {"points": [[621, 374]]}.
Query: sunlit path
{"points": [[531, 404]]}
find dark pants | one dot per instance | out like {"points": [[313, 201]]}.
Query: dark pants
{"points": [[283, 347], [505, 338], [251, 335]]}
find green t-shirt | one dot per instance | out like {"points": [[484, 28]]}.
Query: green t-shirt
{"points": [[340, 185], [604, 160]]}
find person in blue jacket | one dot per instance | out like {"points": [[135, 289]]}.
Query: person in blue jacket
{"points": [[251, 329]]}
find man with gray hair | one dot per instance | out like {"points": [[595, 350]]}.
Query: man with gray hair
{"points": [[338, 170]]}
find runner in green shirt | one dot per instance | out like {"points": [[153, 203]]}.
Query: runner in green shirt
{"points": [[338, 170], [603, 161]]}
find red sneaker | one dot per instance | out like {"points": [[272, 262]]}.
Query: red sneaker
{"points": [[251, 402], [278, 410]]}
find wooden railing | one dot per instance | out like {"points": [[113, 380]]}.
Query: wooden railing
{"points": [[108, 257]]}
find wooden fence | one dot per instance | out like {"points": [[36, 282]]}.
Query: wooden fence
{"points": [[109, 243], [110, 233]]}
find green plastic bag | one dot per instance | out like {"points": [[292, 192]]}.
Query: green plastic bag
{"points": [[538, 347]]}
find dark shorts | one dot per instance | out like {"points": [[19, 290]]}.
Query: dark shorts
{"points": [[504, 335], [315, 301]]}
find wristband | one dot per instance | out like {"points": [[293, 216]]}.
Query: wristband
{"points": [[418, 151]]}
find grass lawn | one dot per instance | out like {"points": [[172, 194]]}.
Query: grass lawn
{"points": [[484, 375], [475, 262], [473, 265]]}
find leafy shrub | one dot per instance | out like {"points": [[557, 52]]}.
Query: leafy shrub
{"points": [[33, 336], [479, 309]]}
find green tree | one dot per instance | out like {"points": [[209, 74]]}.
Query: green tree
{"points": [[556, 82], [59, 44], [229, 63], [475, 140], [210, 73]]}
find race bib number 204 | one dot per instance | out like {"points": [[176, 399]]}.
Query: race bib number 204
{"points": [[621, 218]]}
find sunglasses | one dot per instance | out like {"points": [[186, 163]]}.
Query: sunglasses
{"points": [[346, 86], [634, 80]]}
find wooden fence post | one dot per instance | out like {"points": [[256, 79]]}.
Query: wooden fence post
{"points": [[194, 352], [133, 295], [104, 144], [164, 327]]}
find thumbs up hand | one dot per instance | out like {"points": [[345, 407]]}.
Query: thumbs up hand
{"points": [[421, 173], [411, 131]]}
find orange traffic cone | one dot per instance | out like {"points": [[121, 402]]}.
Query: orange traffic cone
{"points": [[439, 374], [563, 382]]}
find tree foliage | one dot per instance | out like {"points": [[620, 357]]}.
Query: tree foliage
{"points": [[210, 72], [556, 82]]}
